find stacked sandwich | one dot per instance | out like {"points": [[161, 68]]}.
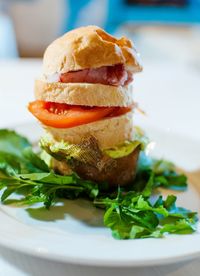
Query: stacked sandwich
{"points": [[84, 101]]}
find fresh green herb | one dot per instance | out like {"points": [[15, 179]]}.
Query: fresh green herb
{"points": [[157, 173], [26, 170], [130, 214]]}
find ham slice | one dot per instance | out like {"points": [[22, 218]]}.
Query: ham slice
{"points": [[109, 75]]}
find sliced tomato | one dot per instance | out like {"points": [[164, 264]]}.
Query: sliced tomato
{"points": [[65, 116], [120, 111]]}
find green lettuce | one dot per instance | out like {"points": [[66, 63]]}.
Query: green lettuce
{"points": [[62, 150], [139, 139], [122, 150], [132, 212]]}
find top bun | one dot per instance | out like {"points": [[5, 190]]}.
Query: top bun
{"points": [[89, 47]]}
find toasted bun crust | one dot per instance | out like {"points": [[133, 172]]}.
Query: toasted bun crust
{"points": [[108, 132], [84, 93], [89, 47]]}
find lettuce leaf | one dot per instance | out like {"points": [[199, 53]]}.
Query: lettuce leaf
{"points": [[62, 150], [130, 212], [122, 150]]}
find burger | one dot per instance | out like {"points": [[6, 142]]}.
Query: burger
{"points": [[85, 103]]}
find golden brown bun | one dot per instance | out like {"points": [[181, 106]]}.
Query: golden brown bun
{"points": [[109, 132], [89, 47], [84, 93], [116, 172]]}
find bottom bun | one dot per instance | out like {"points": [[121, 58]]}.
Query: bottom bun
{"points": [[120, 171]]}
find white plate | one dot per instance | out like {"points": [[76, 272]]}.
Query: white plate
{"points": [[71, 231]]}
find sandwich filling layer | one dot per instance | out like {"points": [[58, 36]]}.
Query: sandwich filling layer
{"points": [[116, 164], [115, 75], [66, 116], [63, 150]]}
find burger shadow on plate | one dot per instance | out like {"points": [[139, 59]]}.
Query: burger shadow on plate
{"points": [[80, 209]]}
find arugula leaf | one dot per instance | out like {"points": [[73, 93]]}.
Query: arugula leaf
{"points": [[167, 177], [9, 164], [182, 226], [35, 160], [7, 192], [13, 143], [130, 212], [21, 168], [49, 178], [45, 187], [152, 174], [17, 156], [136, 217]]}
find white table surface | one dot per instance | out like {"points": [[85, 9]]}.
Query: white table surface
{"points": [[170, 96]]}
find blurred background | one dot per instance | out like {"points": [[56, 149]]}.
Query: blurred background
{"points": [[28, 26]]}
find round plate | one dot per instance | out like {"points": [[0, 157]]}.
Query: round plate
{"points": [[72, 231]]}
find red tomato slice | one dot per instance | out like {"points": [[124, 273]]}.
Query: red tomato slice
{"points": [[120, 111], [65, 116]]}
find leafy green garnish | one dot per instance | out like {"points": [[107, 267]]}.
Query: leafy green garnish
{"points": [[16, 154], [46, 187], [128, 147], [11, 142], [129, 213], [122, 150], [26, 170], [132, 216], [157, 173], [63, 150]]}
